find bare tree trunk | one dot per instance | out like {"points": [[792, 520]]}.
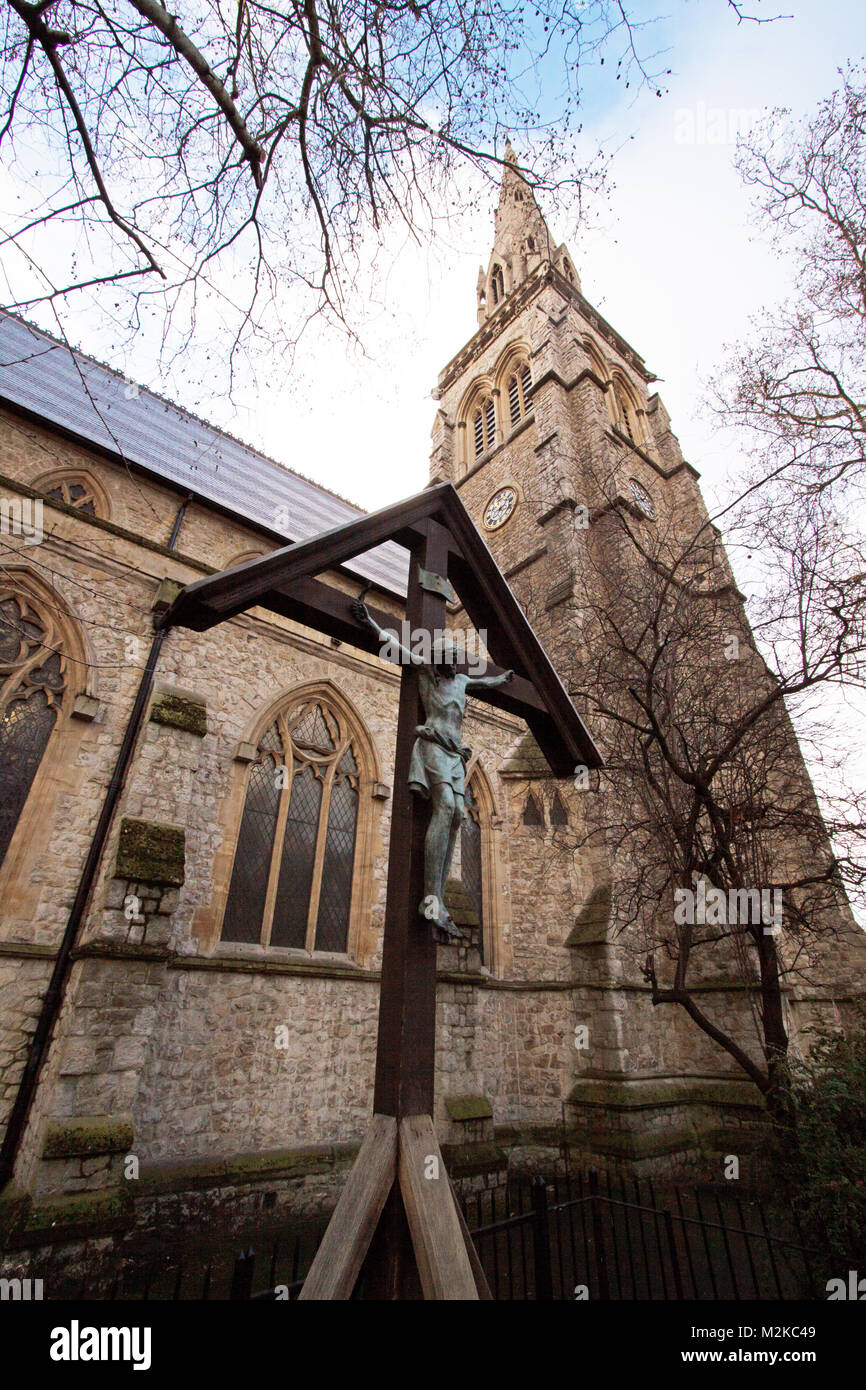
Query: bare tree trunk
{"points": [[775, 1033]]}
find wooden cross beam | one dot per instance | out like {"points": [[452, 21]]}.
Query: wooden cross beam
{"points": [[284, 582], [398, 1212]]}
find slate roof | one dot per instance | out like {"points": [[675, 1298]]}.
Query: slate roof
{"points": [[39, 374]]}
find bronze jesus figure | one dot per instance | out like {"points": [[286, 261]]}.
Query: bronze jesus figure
{"points": [[437, 770]]}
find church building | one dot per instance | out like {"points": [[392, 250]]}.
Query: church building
{"points": [[194, 826]]}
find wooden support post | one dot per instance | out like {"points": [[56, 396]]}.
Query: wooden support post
{"points": [[477, 1267], [407, 1007], [339, 1257], [437, 530], [440, 1250]]}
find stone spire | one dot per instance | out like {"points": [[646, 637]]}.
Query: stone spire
{"points": [[521, 241]]}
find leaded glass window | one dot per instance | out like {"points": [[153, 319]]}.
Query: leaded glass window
{"points": [[76, 490], [294, 865], [470, 865], [32, 682]]}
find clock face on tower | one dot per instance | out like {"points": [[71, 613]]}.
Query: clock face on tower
{"points": [[500, 508], [642, 497]]}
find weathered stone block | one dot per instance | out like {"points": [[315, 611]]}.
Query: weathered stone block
{"points": [[87, 1136], [150, 852], [179, 712], [468, 1107]]}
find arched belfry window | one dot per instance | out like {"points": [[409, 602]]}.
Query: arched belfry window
{"points": [[497, 284], [293, 870], [519, 393], [483, 426], [627, 411], [33, 676]]}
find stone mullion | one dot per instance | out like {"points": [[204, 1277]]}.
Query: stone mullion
{"points": [[321, 839], [279, 837]]}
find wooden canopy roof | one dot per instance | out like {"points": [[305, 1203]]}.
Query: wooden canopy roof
{"points": [[285, 582]]}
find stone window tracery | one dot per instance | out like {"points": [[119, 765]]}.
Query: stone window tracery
{"points": [[627, 412], [75, 489], [32, 684], [497, 284]]}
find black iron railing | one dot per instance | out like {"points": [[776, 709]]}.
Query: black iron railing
{"points": [[587, 1235]]}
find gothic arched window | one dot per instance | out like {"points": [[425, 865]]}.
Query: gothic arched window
{"points": [[519, 392], [471, 864], [628, 417], [471, 894], [244, 555], [484, 426], [293, 871], [76, 488], [497, 284], [33, 681]]}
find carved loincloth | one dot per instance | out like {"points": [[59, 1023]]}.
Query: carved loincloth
{"points": [[437, 759]]}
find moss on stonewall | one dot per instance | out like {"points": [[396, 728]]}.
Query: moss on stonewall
{"points": [[460, 905], [81, 1215], [180, 712], [88, 1137], [468, 1107], [469, 1160], [150, 853]]}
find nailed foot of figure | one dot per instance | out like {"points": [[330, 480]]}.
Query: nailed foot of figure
{"points": [[445, 929]]}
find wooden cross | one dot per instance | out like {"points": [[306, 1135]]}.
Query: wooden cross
{"points": [[397, 1214]]}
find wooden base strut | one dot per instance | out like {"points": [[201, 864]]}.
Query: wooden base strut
{"points": [[407, 1154]]}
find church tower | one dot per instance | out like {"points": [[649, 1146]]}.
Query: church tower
{"points": [[547, 414], [548, 426], [546, 422]]}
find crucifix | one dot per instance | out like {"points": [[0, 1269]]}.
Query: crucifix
{"points": [[397, 1215]]}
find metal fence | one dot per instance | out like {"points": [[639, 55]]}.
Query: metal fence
{"points": [[587, 1235], [606, 1237]]}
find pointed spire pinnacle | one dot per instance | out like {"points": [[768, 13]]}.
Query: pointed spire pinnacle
{"points": [[521, 240], [520, 225]]}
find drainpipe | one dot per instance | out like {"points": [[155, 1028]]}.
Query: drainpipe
{"points": [[53, 998]]}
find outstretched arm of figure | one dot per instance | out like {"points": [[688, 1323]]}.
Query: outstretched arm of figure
{"points": [[386, 637], [488, 681]]}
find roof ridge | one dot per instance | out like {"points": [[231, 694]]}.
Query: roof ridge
{"points": [[182, 410]]}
